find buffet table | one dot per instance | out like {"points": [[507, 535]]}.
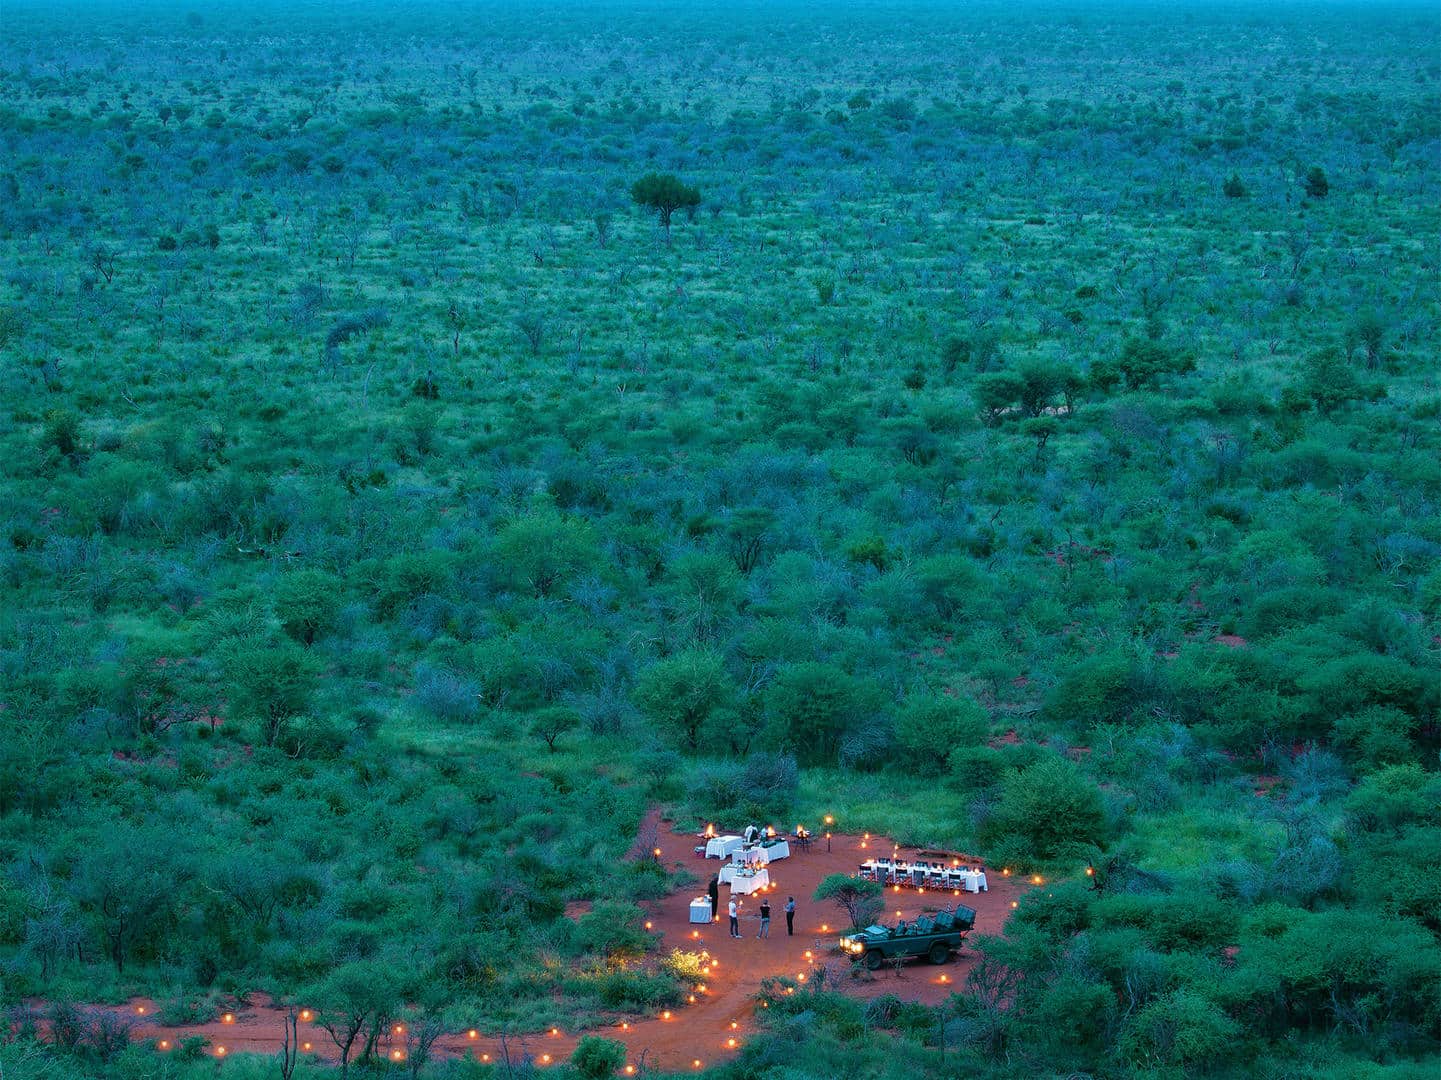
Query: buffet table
{"points": [[744, 881], [722, 846]]}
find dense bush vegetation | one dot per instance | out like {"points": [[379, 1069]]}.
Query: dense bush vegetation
{"points": [[1026, 440]]}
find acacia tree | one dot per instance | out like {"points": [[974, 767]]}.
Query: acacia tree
{"points": [[858, 898], [682, 693], [665, 193]]}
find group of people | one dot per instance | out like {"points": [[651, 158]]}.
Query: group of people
{"points": [[734, 909]]}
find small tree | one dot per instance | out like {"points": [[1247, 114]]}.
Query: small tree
{"points": [[355, 998], [665, 193], [1316, 184], [271, 684], [308, 602], [549, 724], [858, 898], [682, 693], [1234, 188]]}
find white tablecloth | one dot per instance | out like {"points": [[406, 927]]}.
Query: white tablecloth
{"points": [[722, 846], [700, 909], [749, 883], [761, 854]]}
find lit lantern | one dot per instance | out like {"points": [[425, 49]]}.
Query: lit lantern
{"points": [[630, 1070], [472, 1034], [625, 1025], [665, 1015], [731, 1043], [895, 888], [228, 1018], [808, 954], [140, 1009], [920, 890], [825, 928], [1036, 880], [655, 852], [484, 1057], [1014, 904], [396, 1055], [691, 999], [700, 989], [945, 978], [220, 1051], [695, 934], [735, 1025], [1090, 871], [830, 820], [800, 977], [695, 1064], [555, 1031], [545, 1059], [956, 893], [648, 924], [165, 1044], [1006, 872], [306, 1014], [305, 1047], [399, 1029]]}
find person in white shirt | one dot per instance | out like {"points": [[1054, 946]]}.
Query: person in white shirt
{"points": [[735, 914]]}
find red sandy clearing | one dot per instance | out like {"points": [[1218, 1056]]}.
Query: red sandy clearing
{"points": [[694, 1032]]}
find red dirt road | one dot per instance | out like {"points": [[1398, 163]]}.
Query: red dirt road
{"points": [[694, 1033]]}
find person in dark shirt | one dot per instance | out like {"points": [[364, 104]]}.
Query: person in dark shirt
{"points": [[790, 916], [714, 896], [765, 918]]}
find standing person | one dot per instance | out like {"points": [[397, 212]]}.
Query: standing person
{"points": [[765, 917], [714, 896], [735, 912], [790, 916]]}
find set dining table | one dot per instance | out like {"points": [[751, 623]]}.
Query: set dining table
{"points": [[970, 879]]}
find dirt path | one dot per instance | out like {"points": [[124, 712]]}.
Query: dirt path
{"points": [[695, 1035]]}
